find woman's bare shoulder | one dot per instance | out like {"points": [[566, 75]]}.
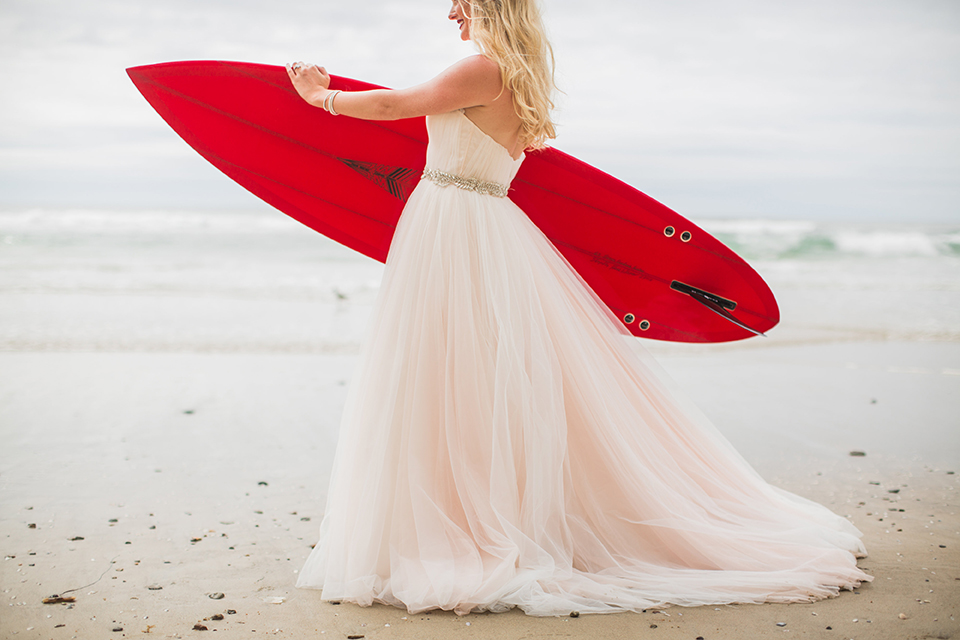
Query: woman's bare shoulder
{"points": [[479, 66], [475, 80]]}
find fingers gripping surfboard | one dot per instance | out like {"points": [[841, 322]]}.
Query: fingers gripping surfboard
{"points": [[349, 179]]}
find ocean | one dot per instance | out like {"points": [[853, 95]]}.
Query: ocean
{"points": [[258, 281]]}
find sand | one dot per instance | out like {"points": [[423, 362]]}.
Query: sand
{"points": [[142, 484]]}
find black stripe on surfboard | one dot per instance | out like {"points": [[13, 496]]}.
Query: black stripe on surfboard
{"points": [[718, 304], [214, 158]]}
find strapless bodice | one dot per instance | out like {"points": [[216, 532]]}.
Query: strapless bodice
{"points": [[460, 148]]}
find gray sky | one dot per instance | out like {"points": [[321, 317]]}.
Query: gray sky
{"points": [[840, 109]]}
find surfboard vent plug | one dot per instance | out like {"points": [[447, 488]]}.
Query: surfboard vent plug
{"points": [[669, 231], [629, 318], [685, 236], [644, 325]]}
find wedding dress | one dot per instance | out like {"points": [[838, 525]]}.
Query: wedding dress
{"points": [[506, 442]]}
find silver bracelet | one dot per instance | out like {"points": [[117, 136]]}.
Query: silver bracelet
{"points": [[333, 96]]}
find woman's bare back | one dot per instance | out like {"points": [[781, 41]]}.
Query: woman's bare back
{"points": [[500, 121]]}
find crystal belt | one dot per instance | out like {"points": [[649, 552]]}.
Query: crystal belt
{"points": [[443, 179]]}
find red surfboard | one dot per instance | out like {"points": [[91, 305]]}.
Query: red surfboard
{"points": [[663, 276]]}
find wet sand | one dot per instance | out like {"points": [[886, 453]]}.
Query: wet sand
{"points": [[143, 483]]}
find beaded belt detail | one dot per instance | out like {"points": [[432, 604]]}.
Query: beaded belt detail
{"points": [[443, 179]]}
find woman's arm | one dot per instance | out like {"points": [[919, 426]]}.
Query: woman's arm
{"points": [[471, 82]]}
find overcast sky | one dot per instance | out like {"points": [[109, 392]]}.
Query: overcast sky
{"points": [[835, 109]]}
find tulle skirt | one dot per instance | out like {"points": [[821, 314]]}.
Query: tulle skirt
{"points": [[507, 443]]}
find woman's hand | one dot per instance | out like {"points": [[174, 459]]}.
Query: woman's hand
{"points": [[310, 81]]}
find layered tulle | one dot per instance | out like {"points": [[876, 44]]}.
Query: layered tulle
{"points": [[507, 443]]}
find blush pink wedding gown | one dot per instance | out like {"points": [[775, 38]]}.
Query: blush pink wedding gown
{"points": [[507, 443]]}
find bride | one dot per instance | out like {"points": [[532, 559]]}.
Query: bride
{"points": [[505, 442]]}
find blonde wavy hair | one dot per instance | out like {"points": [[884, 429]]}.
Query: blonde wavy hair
{"points": [[511, 33]]}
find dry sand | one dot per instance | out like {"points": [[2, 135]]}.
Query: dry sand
{"points": [[141, 483]]}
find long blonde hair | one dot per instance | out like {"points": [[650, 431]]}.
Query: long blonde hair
{"points": [[511, 33]]}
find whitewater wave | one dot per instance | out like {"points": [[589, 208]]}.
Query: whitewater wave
{"points": [[773, 240], [91, 221]]}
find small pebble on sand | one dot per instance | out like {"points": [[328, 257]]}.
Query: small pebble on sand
{"points": [[215, 596]]}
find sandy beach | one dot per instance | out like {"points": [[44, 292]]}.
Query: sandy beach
{"points": [[144, 484], [168, 418]]}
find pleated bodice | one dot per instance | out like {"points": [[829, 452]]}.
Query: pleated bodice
{"points": [[459, 147]]}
